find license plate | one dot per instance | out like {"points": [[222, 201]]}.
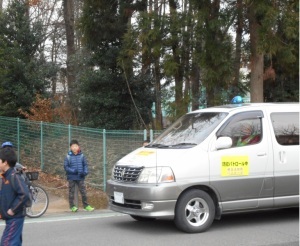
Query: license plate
{"points": [[119, 197]]}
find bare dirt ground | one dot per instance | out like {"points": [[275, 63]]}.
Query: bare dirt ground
{"points": [[57, 190]]}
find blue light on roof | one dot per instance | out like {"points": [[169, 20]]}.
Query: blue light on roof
{"points": [[237, 100]]}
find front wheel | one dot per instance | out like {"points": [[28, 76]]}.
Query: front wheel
{"points": [[195, 211], [40, 202]]}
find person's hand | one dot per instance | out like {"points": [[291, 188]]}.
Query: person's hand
{"points": [[81, 175], [10, 212]]}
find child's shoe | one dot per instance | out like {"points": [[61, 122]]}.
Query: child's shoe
{"points": [[74, 209], [89, 208]]}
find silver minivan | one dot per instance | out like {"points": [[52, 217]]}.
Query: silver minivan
{"points": [[213, 161]]}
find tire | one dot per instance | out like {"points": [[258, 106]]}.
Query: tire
{"points": [[141, 218], [40, 202], [194, 212]]}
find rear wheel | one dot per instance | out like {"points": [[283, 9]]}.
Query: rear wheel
{"points": [[195, 211], [40, 202], [141, 218]]}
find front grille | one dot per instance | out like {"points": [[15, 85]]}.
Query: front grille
{"points": [[127, 173]]}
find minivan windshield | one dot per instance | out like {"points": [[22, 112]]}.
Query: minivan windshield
{"points": [[189, 130]]}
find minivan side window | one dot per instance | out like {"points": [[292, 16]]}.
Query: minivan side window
{"points": [[244, 129], [286, 128]]}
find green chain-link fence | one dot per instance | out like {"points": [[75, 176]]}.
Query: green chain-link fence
{"points": [[45, 146]]}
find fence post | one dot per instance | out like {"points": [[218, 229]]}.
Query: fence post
{"points": [[104, 160], [145, 135], [18, 138], [151, 135], [42, 147], [69, 128]]}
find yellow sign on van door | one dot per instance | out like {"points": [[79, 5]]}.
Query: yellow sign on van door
{"points": [[235, 165]]}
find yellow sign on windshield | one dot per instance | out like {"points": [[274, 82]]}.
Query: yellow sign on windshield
{"points": [[235, 165]]}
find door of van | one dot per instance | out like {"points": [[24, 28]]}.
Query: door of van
{"points": [[285, 139], [242, 175]]}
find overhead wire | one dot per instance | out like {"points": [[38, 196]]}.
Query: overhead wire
{"points": [[130, 93]]}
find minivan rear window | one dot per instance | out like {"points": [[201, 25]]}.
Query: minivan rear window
{"points": [[189, 130], [286, 127]]}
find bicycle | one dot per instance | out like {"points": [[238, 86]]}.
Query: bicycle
{"points": [[40, 199]]}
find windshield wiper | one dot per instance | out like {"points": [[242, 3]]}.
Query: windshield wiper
{"points": [[157, 146], [182, 144], [169, 145]]}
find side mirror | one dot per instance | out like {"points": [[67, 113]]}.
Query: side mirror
{"points": [[223, 143]]}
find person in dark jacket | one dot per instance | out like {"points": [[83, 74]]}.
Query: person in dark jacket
{"points": [[14, 194], [76, 168]]}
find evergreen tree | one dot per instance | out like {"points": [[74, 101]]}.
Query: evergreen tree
{"points": [[281, 77], [274, 41], [112, 97], [216, 58], [23, 70]]}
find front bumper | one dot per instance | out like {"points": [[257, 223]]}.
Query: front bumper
{"points": [[147, 200]]}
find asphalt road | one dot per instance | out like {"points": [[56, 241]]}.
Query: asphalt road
{"points": [[104, 227]]}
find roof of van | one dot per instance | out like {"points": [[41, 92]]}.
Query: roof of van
{"points": [[231, 107]]}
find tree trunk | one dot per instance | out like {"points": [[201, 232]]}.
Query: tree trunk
{"points": [[146, 60], [213, 36], [210, 96], [256, 79], [256, 59], [187, 31], [195, 81], [158, 109], [238, 44], [68, 8], [178, 76]]}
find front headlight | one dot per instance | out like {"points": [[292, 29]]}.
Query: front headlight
{"points": [[153, 175], [112, 177]]}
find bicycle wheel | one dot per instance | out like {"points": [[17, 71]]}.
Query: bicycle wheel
{"points": [[40, 202]]}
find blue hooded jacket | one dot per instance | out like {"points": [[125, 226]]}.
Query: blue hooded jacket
{"points": [[76, 166], [12, 196]]}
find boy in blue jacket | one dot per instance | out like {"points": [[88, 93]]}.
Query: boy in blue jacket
{"points": [[13, 195], [76, 168]]}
